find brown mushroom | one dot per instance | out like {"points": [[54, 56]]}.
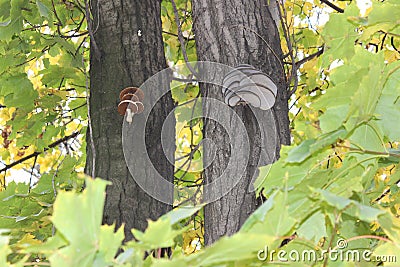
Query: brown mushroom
{"points": [[122, 108], [130, 96], [132, 90]]}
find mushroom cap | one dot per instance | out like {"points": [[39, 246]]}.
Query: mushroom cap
{"points": [[262, 80], [132, 90], [135, 107], [140, 107], [122, 106], [130, 96], [233, 77], [259, 86], [249, 85]]}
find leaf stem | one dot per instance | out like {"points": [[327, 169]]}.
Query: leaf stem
{"points": [[387, 154]]}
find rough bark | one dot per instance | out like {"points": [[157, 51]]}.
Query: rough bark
{"points": [[128, 37], [236, 32]]}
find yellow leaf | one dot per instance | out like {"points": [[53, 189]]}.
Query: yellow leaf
{"points": [[307, 7], [28, 239], [191, 241]]}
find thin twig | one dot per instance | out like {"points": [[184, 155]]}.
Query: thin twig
{"points": [[385, 193], [293, 75], [310, 57], [181, 41], [59, 25], [90, 30], [299, 63], [30, 178], [53, 184], [34, 154], [190, 154], [176, 35], [334, 232], [184, 80], [53, 179], [365, 151], [90, 129], [338, 9]]}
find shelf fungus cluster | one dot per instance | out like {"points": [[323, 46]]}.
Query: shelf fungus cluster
{"points": [[247, 85], [131, 102]]}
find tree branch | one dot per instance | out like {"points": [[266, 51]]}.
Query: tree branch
{"points": [[338, 9], [304, 60], [37, 153], [176, 35], [308, 58]]}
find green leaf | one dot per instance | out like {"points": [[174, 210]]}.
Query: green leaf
{"points": [[282, 172], [350, 207], [364, 101], [52, 244], [301, 152], [180, 213], [367, 137], [72, 209], [388, 107], [391, 226], [387, 13], [273, 218], [333, 118], [340, 44], [12, 27], [350, 228], [346, 82], [18, 92], [238, 247], [309, 147], [328, 139], [43, 9], [349, 178], [159, 234], [390, 252], [109, 243], [313, 228], [4, 248], [309, 38], [259, 215]]}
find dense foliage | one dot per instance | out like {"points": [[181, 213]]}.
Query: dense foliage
{"points": [[337, 182]]}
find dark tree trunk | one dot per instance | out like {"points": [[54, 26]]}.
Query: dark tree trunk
{"points": [[236, 32], [131, 49]]}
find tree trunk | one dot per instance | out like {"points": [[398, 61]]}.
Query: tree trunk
{"points": [[128, 37], [236, 32]]}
